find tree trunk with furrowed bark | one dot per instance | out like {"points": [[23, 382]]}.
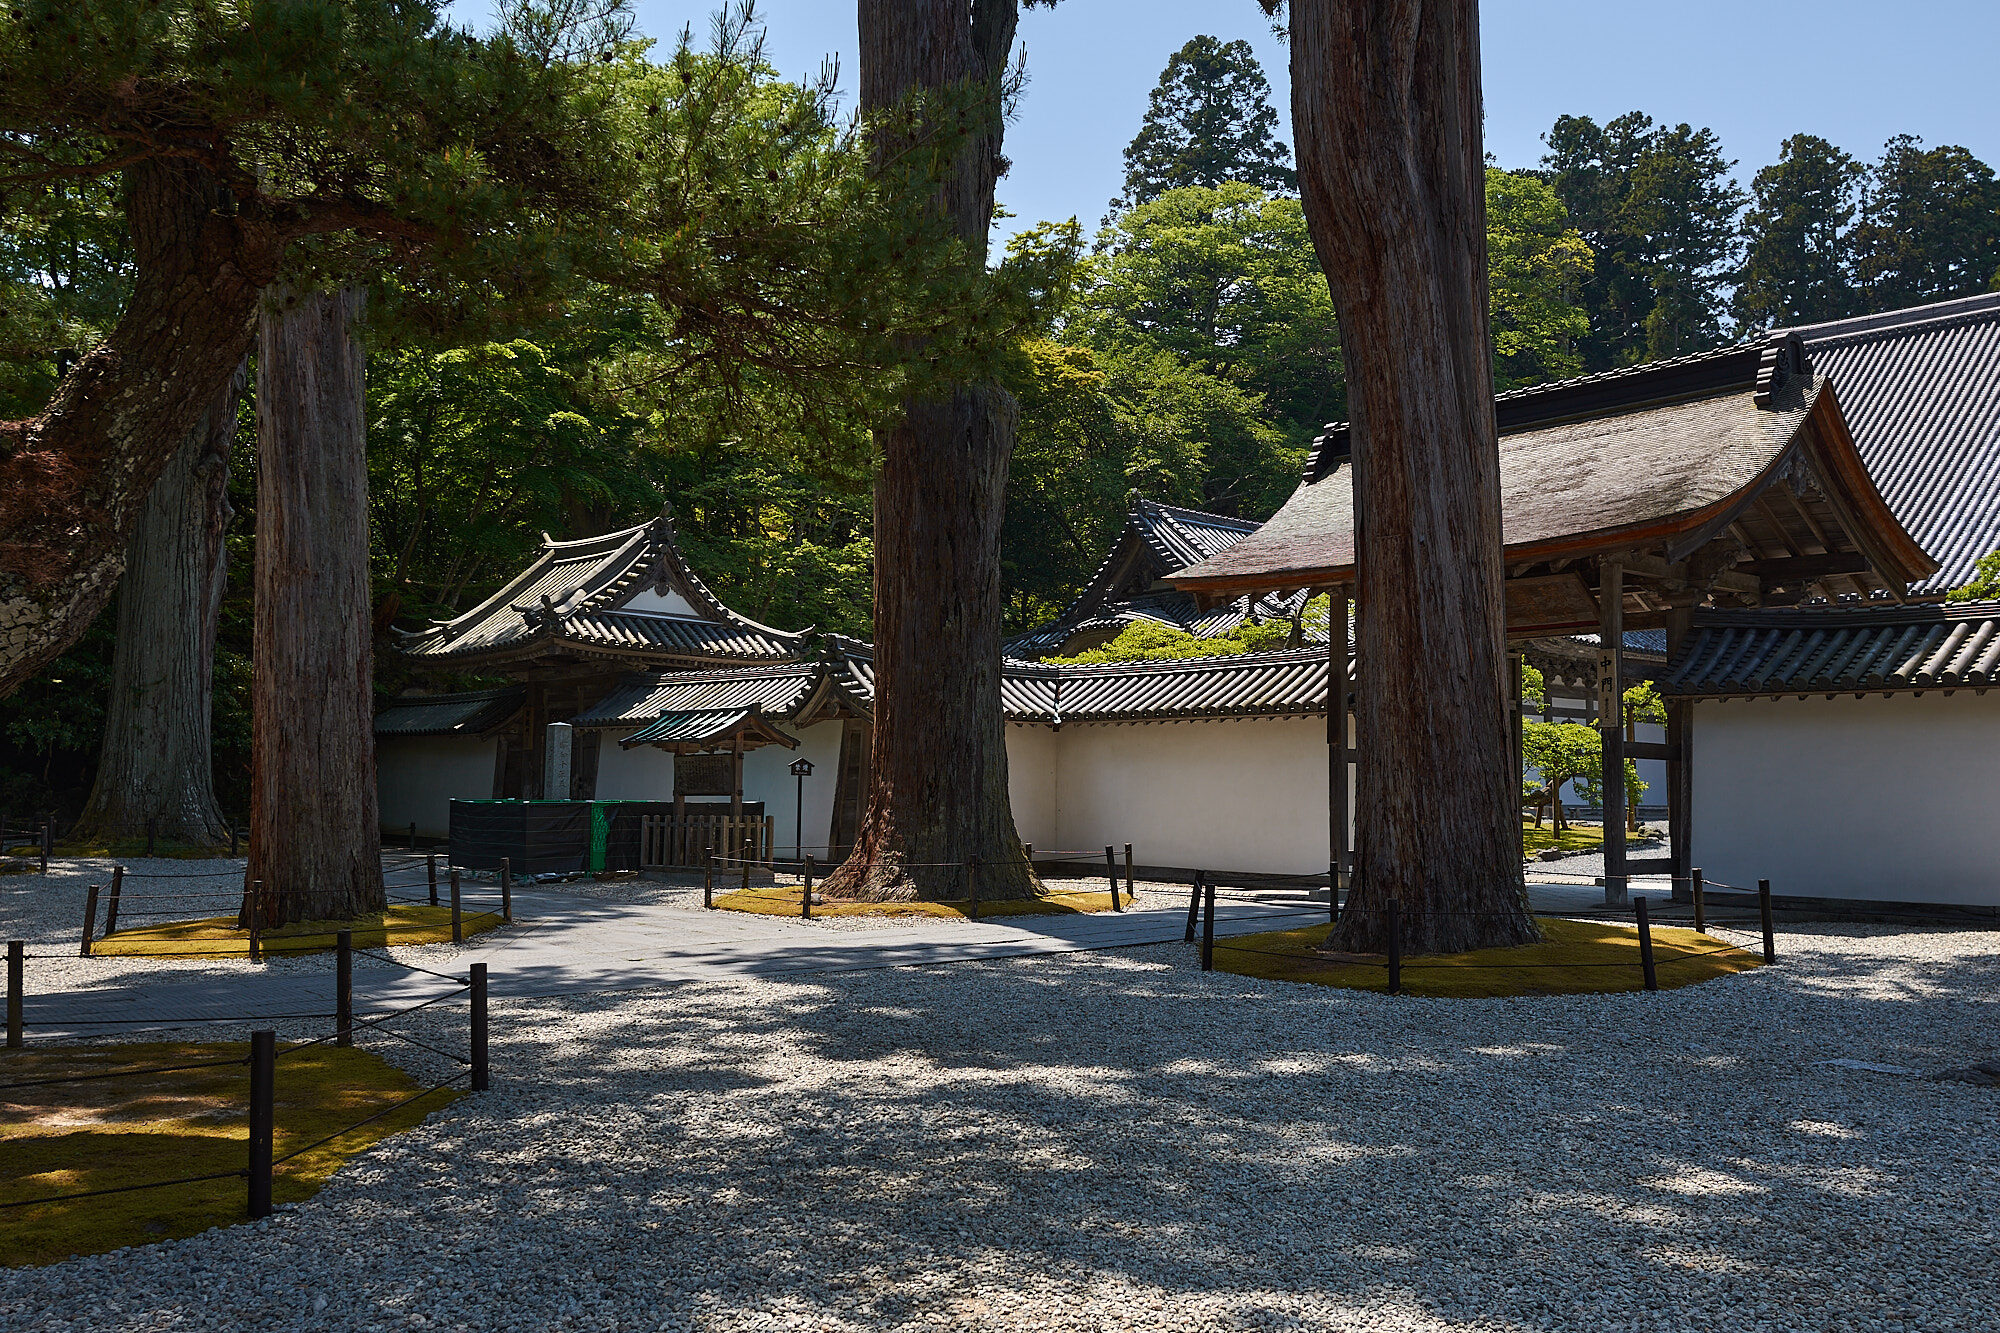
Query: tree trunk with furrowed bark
{"points": [[156, 764], [74, 479], [315, 828], [1386, 105], [937, 813]]}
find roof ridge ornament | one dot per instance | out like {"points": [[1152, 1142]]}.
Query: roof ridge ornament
{"points": [[1783, 356]]}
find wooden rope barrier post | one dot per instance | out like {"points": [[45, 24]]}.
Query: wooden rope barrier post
{"points": [[16, 962], [1700, 907], [806, 893], [1646, 944], [1111, 874], [748, 845], [480, 1079], [507, 889], [256, 920], [89, 921], [972, 887], [343, 989], [1207, 922], [1194, 906], [1395, 947], [431, 865], [457, 920], [708, 877], [263, 1098], [1130, 892], [111, 907], [1764, 911], [48, 844]]}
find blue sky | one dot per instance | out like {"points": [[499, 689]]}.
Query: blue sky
{"points": [[1853, 71]]}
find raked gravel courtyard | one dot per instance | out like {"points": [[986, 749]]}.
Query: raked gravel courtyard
{"points": [[1114, 1140]]}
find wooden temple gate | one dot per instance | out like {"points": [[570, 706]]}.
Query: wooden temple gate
{"points": [[687, 841]]}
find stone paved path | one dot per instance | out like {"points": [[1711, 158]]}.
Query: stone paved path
{"points": [[564, 943]]}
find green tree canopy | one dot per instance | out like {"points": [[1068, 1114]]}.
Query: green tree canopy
{"points": [[1985, 581], [1209, 121], [1798, 266], [1538, 265], [1930, 226]]}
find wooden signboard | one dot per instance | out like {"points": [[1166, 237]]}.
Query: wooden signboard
{"points": [[704, 775]]}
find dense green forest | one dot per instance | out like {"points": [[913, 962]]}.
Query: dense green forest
{"points": [[1186, 348]]}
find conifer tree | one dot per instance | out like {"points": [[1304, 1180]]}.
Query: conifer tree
{"points": [[1930, 226], [1799, 266], [1209, 121]]}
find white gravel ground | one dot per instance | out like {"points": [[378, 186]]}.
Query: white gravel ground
{"points": [[1115, 1140]]}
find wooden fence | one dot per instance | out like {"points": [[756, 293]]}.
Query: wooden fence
{"points": [[666, 841]]}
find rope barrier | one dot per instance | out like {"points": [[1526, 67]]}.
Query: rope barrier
{"points": [[318, 1143], [126, 1189], [122, 1073], [410, 967]]}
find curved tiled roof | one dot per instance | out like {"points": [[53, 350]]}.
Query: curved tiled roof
{"points": [[573, 594], [1921, 391], [1863, 650], [639, 700], [466, 714]]}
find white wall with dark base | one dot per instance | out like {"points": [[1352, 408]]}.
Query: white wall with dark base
{"points": [[418, 777], [1879, 798]]}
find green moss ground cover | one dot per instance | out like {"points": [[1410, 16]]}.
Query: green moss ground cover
{"points": [[784, 901], [1574, 958], [219, 937], [70, 1137]]}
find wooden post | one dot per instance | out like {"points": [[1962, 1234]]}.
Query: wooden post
{"points": [[1700, 907], [1646, 944], [256, 920], [1111, 876], [89, 921], [111, 907], [480, 1080], [809, 876], [736, 785], [1336, 741], [1130, 892], [1207, 922], [48, 844], [16, 963], [708, 877], [263, 1090], [457, 924], [972, 888], [1395, 947], [1611, 722], [431, 865], [746, 865], [1764, 911], [1194, 907], [805, 899], [507, 888], [343, 989]]}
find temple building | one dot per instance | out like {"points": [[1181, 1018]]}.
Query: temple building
{"points": [[1696, 522]]}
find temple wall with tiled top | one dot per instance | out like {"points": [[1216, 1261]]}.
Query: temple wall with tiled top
{"points": [[1887, 798]]}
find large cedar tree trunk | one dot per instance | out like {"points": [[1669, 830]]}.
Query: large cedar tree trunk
{"points": [[73, 480], [156, 763], [315, 833], [937, 796], [1386, 105]]}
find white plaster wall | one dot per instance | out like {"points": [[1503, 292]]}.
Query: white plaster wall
{"points": [[1882, 798], [662, 603], [767, 777], [1032, 782], [418, 777], [641, 773], [1247, 795]]}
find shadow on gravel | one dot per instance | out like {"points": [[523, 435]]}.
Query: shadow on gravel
{"points": [[1119, 1140]]}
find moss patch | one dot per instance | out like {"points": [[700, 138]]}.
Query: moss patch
{"points": [[1574, 958], [218, 936], [782, 901], [71, 1137], [131, 849], [1575, 838]]}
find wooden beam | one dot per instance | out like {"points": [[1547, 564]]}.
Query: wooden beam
{"points": [[1794, 567], [1611, 723], [1800, 508]]}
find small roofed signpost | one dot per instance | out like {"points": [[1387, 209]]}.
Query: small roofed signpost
{"points": [[801, 769], [1386, 103]]}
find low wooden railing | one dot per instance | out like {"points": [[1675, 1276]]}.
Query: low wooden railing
{"points": [[666, 841]]}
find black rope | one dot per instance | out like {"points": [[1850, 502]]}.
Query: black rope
{"points": [[121, 1073], [125, 1189], [409, 967], [277, 1162]]}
